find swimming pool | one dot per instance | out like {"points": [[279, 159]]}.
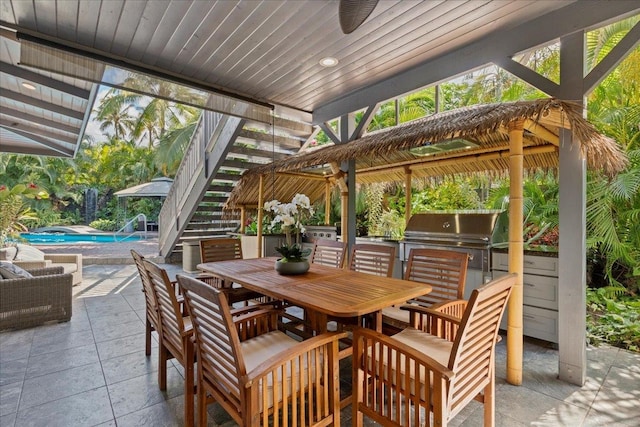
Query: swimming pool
{"points": [[71, 238]]}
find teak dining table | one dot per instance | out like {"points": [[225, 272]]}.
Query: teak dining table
{"points": [[324, 291]]}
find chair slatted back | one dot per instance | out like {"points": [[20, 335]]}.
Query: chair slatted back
{"points": [[220, 249], [149, 297], [299, 385], [169, 314], [445, 271], [473, 349], [329, 252], [373, 259], [217, 341], [398, 380]]}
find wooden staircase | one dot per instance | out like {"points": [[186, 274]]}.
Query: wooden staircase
{"points": [[222, 147]]}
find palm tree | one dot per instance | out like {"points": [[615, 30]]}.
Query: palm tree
{"points": [[159, 115], [172, 145], [613, 210], [114, 113]]}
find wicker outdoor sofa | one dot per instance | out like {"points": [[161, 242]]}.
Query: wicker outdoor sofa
{"points": [[29, 257], [31, 301]]}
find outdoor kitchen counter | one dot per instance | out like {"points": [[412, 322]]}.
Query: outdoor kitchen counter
{"points": [[551, 252]]}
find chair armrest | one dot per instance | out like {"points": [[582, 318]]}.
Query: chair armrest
{"points": [[30, 265], [278, 362], [435, 320], [383, 344]]}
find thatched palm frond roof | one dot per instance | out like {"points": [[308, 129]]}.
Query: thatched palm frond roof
{"points": [[384, 155]]}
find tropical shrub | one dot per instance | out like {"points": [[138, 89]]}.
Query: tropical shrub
{"points": [[14, 210], [104, 225], [614, 321]]}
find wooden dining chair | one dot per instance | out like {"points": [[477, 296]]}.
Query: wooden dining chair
{"points": [[445, 271], [256, 372], [372, 259], [151, 307], [399, 380], [224, 249], [329, 252], [175, 333]]}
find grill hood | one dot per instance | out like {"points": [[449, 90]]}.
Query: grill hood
{"points": [[461, 225]]}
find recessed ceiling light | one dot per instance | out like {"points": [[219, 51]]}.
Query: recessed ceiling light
{"points": [[28, 85], [329, 61]]}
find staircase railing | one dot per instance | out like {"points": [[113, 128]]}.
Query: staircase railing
{"points": [[134, 222]]}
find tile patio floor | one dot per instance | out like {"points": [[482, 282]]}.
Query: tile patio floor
{"points": [[92, 371]]}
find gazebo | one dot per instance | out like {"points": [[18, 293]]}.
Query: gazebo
{"points": [[157, 187], [504, 138]]}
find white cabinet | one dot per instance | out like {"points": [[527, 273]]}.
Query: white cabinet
{"points": [[540, 294]]}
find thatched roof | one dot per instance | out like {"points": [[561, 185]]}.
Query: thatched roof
{"points": [[384, 155]]}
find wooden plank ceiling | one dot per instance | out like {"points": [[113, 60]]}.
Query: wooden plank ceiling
{"points": [[269, 51]]}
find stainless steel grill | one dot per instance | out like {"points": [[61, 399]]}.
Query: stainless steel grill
{"points": [[473, 232]]}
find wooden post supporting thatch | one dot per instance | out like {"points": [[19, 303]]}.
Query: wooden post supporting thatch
{"points": [[327, 202], [344, 200], [514, 320], [243, 218], [407, 192], [344, 213], [260, 213]]}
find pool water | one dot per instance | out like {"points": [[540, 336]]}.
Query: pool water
{"points": [[71, 238]]}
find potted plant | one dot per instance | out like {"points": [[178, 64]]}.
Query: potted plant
{"points": [[288, 218]]}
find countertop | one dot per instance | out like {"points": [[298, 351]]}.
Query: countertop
{"points": [[547, 251]]}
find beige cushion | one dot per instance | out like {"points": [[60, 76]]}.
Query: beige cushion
{"points": [[12, 271], [258, 349], [394, 315], [29, 253], [261, 348], [434, 347]]}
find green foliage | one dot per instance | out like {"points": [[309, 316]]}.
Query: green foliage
{"points": [[373, 197], [45, 218], [251, 227], [540, 207], [14, 210], [150, 207], [393, 224], [613, 321], [292, 253], [104, 225], [446, 195]]}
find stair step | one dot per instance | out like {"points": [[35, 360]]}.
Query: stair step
{"points": [[219, 188], [198, 227], [228, 177], [203, 234], [207, 216], [209, 208], [282, 141], [256, 152], [214, 199], [240, 164]]}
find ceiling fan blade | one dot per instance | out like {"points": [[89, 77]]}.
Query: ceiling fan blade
{"points": [[353, 13]]}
